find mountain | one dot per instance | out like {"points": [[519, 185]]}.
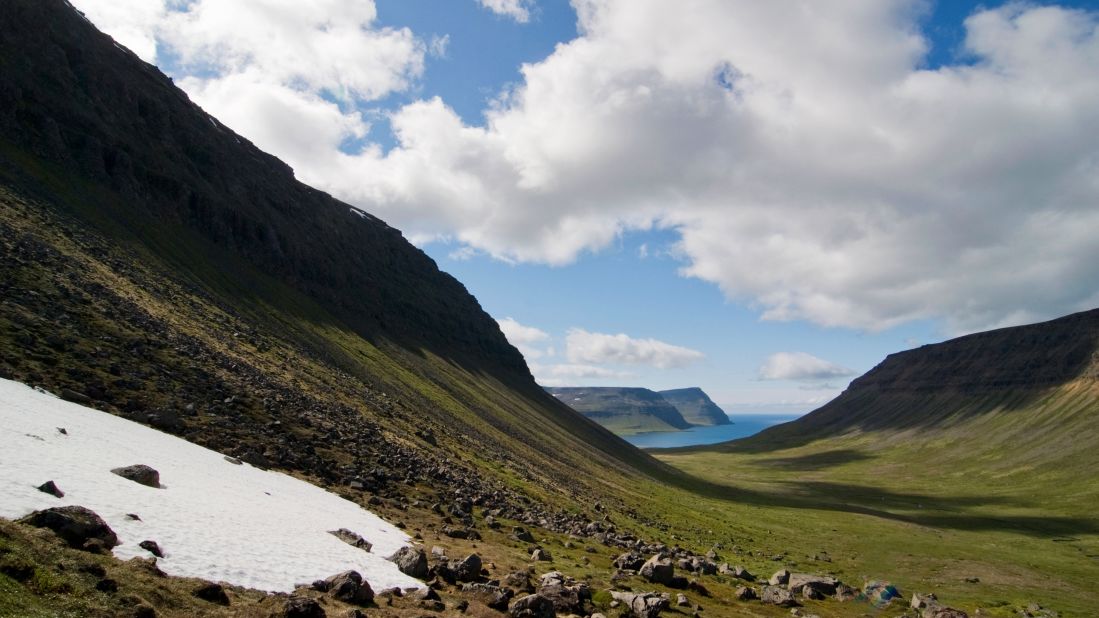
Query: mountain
{"points": [[1042, 377], [696, 406], [623, 410]]}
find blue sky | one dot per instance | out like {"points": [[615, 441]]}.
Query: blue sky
{"points": [[758, 200]]}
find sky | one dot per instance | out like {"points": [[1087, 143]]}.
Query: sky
{"points": [[760, 199]]}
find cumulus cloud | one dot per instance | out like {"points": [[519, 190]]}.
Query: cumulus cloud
{"points": [[585, 347], [802, 367], [132, 23], [809, 162], [516, 9], [567, 374]]}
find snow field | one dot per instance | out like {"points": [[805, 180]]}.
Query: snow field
{"points": [[212, 519]]}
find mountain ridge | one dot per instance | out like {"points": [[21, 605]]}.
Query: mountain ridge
{"points": [[696, 406]]}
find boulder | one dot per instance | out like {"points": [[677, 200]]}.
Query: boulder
{"points": [[152, 547], [78, 526], [658, 570], [212, 593], [643, 605], [540, 555], [522, 534], [742, 573], [776, 595], [566, 595], [744, 593], [780, 578], [49, 487], [468, 569], [821, 585], [352, 538], [494, 597], [681, 600], [140, 474], [532, 606], [412, 561], [302, 607], [519, 581], [350, 587]]}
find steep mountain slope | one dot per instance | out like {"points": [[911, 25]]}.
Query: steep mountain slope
{"points": [[160, 266], [622, 410], [696, 406]]}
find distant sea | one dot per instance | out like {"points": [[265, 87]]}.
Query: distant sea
{"points": [[744, 425]]}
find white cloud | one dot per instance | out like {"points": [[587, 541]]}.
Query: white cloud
{"points": [[526, 339], [132, 23], [801, 367], [565, 374], [584, 347], [811, 167], [516, 9]]}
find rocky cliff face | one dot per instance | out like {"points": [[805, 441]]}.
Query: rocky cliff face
{"points": [[137, 156], [623, 410], [696, 406]]}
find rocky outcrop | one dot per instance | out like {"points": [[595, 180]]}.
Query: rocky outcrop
{"points": [[352, 538], [532, 606], [411, 561], [642, 605]]}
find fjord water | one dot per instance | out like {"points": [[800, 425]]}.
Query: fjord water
{"points": [[744, 425]]}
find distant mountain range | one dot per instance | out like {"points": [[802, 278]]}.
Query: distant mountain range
{"points": [[627, 411]]}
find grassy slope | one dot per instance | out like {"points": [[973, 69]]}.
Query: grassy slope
{"points": [[1002, 489]]}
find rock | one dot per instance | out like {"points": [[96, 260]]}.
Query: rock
{"points": [[212, 593], [681, 600], [744, 593], [140, 474], [780, 578], [79, 527], [880, 593], [629, 561], [778, 596], [696, 586], [519, 581], [532, 606], [494, 597], [944, 612], [567, 596], [152, 547], [540, 555], [350, 587], [519, 533], [412, 561], [234, 460], [658, 570], [302, 607], [742, 573], [469, 569], [846, 593], [49, 487], [351, 538], [643, 605], [822, 586]]}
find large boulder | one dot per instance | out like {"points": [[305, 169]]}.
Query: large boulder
{"points": [[658, 569], [780, 578], [642, 605], [412, 561], [80, 527], [532, 606], [778, 596], [798, 582], [140, 474], [350, 587]]}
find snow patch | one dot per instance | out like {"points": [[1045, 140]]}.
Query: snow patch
{"points": [[213, 519]]}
